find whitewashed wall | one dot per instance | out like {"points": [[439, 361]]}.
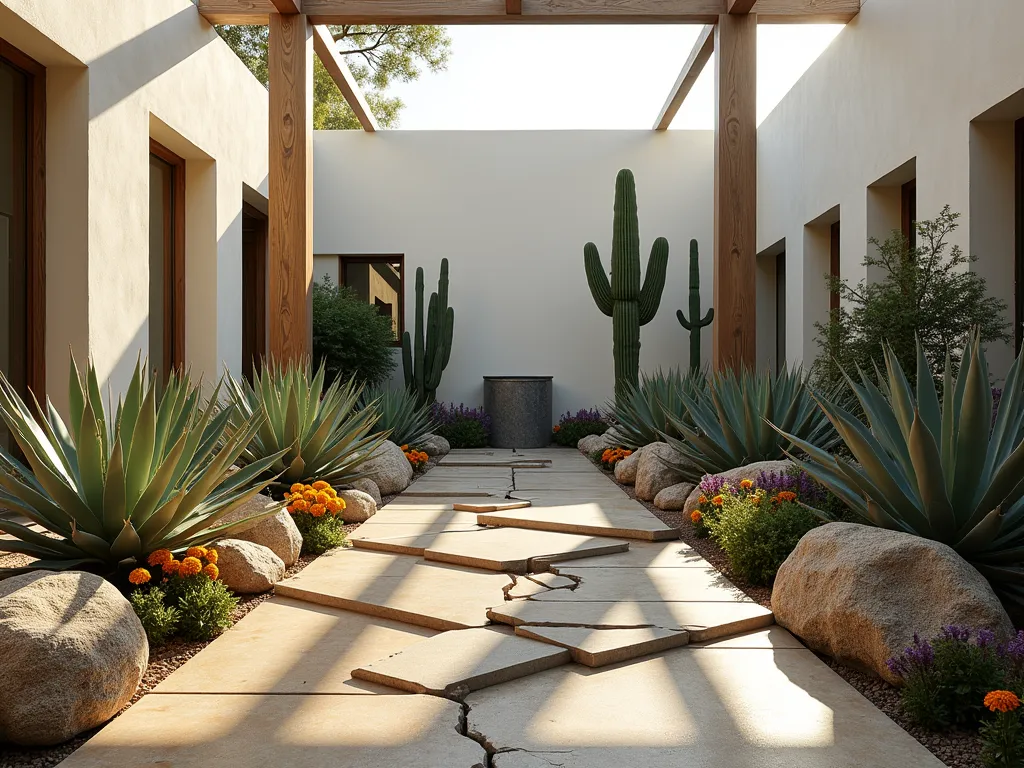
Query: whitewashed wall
{"points": [[511, 211], [909, 86]]}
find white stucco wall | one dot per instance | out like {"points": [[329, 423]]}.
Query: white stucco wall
{"points": [[907, 85], [120, 72], [511, 211]]}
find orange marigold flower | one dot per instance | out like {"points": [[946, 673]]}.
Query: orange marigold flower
{"points": [[703, 499], [746, 484], [196, 552], [786, 496], [334, 506], [331, 492], [755, 500], [405, 448], [322, 498], [317, 510], [556, 428], [212, 571], [309, 496], [211, 556], [300, 505], [696, 516], [718, 500], [139, 576], [159, 557], [1001, 701], [297, 488], [626, 453], [319, 485], [190, 566], [171, 567]]}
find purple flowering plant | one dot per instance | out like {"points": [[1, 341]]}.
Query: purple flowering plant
{"points": [[462, 427], [573, 427]]}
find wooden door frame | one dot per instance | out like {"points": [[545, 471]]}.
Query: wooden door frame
{"points": [[174, 267], [35, 235]]}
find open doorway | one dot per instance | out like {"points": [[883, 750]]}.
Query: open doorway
{"points": [[254, 289]]}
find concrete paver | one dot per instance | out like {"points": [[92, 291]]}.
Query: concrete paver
{"points": [[592, 519], [655, 585], [601, 647]]}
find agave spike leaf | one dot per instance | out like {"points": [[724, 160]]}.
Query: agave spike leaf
{"points": [[128, 412], [58, 433], [882, 421], [113, 507], [402, 417], [981, 536], [931, 485], [143, 444], [89, 544], [90, 458], [54, 547], [95, 398], [127, 544], [208, 519], [901, 396], [20, 491], [928, 406], [159, 521], [76, 395], [641, 413]]}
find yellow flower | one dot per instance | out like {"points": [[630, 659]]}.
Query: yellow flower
{"points": [[300, 505], [695, 516], [746, 484], [139, 576], [297, 488], [190, 566], [319, 485], [196, 552], [212, 571], [1001, 701], [211, 556], [718, 500], [160, 557], [317, 510]]}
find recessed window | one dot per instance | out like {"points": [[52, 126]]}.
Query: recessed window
{"points": [[833, 263], [254, 290], [780, 311], [166, 261], [908, 212], [379, 281], [1018, 326]]}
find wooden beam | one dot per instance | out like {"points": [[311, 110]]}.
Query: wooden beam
{"points": [[287, 6], [740, 6], [325, 47], [530, 11], [291, 186], [735, 301], [688, 75]]}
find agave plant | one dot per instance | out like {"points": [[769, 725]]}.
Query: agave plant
{"points": [[157, 477], [313, 433], [732, 420], [400, 414], [943, 470], [641, 413]]}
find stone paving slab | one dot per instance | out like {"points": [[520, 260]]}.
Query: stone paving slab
{"points": [[773, 637], [502, 505], [290, 646], [452, 664], [397, 526], [642, 554], [466, 487], [554, 497], [592, 519], [647, 585], [199, 731], [714, 707], [704, 621], [536, 583], [398, 587], [554, 480], [601, 647], [416, 545]]}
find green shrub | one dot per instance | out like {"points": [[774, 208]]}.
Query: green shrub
{"points": [[158, 619], [350, 336], [1002, 737], [205, 608], [758, 537], [319, 534], [462, 427], [574, 427]]}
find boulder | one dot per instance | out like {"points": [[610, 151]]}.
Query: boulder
{"points": [[591, 444], [388, 468], [674, 497], [625, 469], [73, 654], [434, 445], [734, 476], [654, 472], [859, 594], [277, 532], [359, 506], [248, 568], [370, 488]]}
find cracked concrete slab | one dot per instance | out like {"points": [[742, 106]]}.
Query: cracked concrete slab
{"points": [[647, 585], [601, 647], [398, 587], [704, 621], [198, 730], [452, 664], [491, 506], [535, 583], [643, 554], [300, 648], [592, 518], [713, 707], [583, 482]]}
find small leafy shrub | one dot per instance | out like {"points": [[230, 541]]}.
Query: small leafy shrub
{"points": [[572, 428], [317, 512], [350, 336], [418, 459], [1002, 737], [612, 456], [462, 427], [946, 678], [205, 606], [158, 619]]}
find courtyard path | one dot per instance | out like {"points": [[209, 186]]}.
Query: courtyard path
{"points": [[467, 629]]}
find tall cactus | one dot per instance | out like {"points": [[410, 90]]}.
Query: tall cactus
{"points": [[424, 362], [693, 325], [622, 298]]}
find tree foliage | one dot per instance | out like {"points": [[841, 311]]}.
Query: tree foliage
{"points": [[927, 292], [378, 55]]}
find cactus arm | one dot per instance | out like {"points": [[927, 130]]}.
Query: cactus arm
{"points": [[418, 350], [708, 317], [407, 359], [597, 279], [682, 320], [432, 337], [449, 333], [693, 324], [654, 281]]}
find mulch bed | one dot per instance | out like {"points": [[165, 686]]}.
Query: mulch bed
{"points": [[959, 749]]}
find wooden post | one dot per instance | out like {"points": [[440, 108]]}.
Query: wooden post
{"points": [[291, 186], [735, 301]]}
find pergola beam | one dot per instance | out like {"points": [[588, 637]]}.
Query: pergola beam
{"points": [[688, 75], [324, 46], [529, 11]]}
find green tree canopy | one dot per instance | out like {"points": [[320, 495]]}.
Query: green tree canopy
{"points": [[377, 55]]}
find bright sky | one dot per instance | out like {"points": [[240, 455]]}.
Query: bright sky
{"points": [[550, 77]]}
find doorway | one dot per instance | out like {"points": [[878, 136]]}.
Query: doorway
{"points": [[254, 290]]}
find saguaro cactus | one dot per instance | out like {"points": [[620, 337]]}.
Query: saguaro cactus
{"points": [[622, 298], [424, 362], [693, 325]]}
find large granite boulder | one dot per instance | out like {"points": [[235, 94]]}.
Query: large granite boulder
{"points": [[277, 532], [674, 497], [248, 568], [359, 506], [434, 445], [656, 471], [388, 468], [625, 469], [733, 477], [591, 444], [367, 486], [72, 654], [859, 594]]}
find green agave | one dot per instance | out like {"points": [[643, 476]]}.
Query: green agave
{"points": [[732, 420], [942, 470], [641, 414], [400, 414], [158, 477], [312, 433]]}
